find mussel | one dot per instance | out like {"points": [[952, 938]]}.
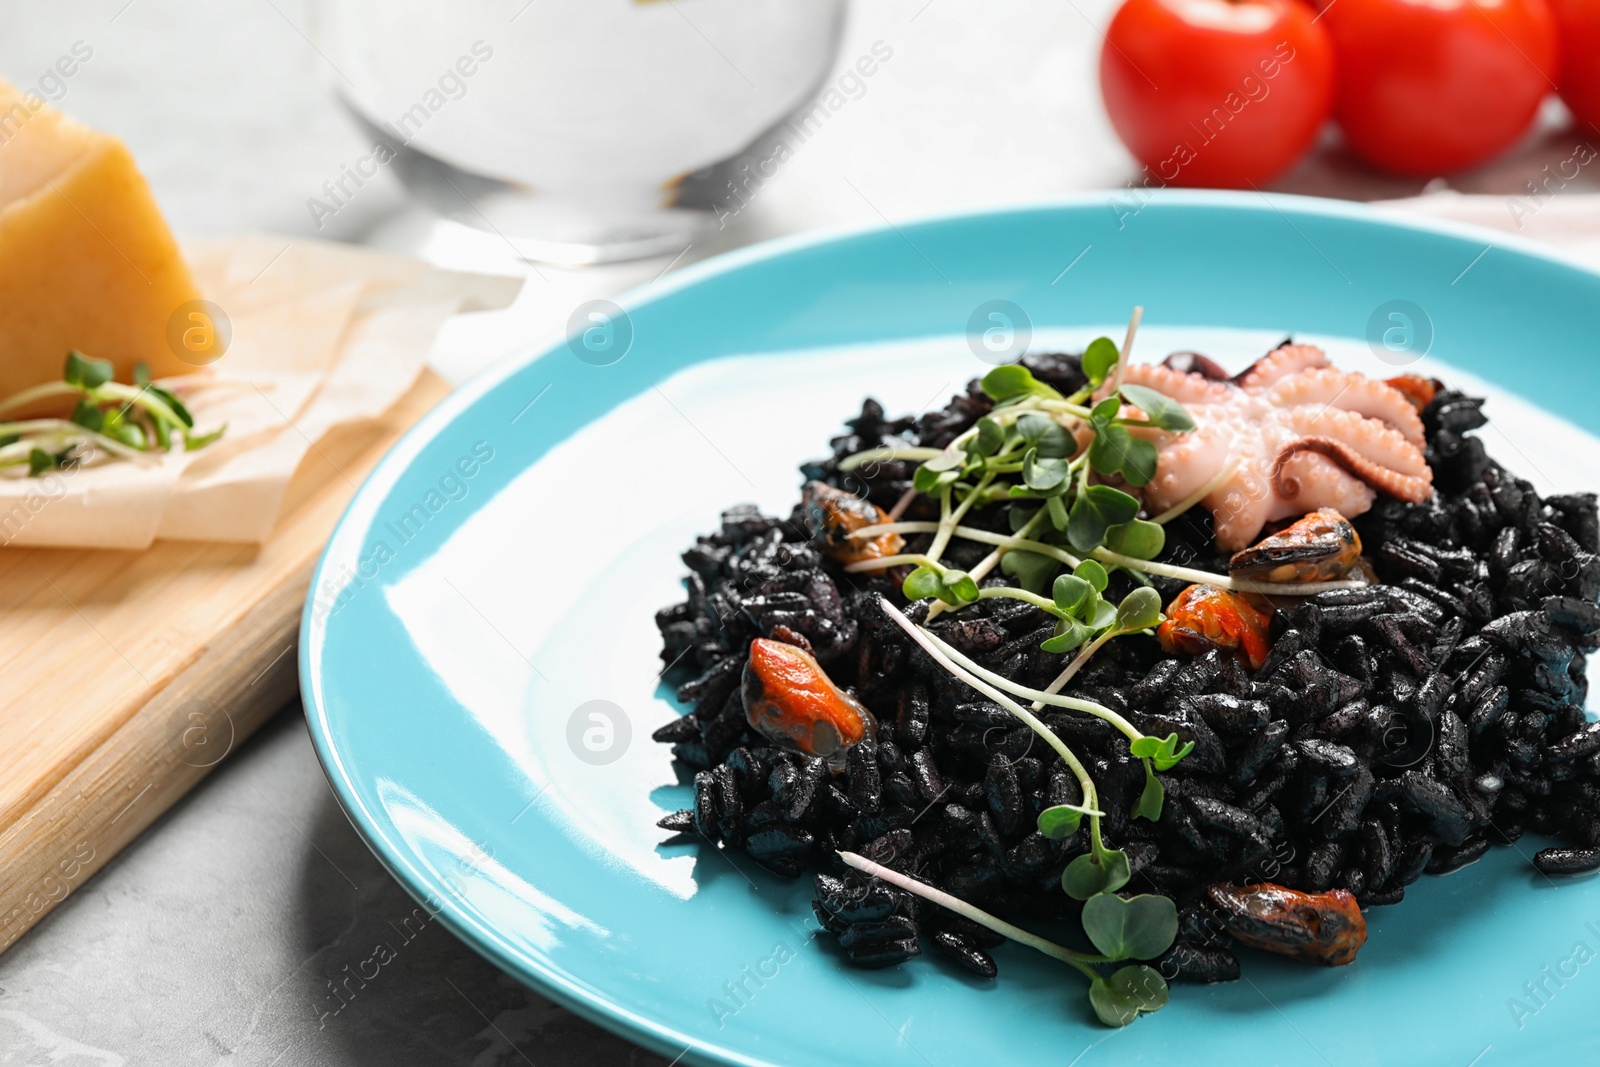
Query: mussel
{"points": [[1203, 617], [790, 699], [833, 515], [1415, 388], [1321, 547], [1326, 928]]}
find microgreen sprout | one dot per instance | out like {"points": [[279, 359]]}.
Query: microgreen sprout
{"points": [[120, 420], [931, 580], [1121, 929], [1136, 928], [1139, 612]]}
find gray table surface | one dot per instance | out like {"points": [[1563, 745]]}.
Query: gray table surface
{"points": [[215, 937]]}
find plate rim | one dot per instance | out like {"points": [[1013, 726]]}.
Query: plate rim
{"points": [[547, 980]]}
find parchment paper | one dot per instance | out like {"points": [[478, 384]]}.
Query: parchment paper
{"points": [[323, 335]]}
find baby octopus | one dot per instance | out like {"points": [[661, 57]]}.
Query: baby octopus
{"points": [[1302, 434]]}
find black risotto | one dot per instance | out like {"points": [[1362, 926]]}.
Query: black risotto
{"points": [[1393, 731]]}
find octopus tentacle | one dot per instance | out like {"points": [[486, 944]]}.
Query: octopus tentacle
{"points": [[1410, 488], [1186, 462], [1241, 507], [1323, 483], [1370, 438], [1350, 392], [1197, 363], [1279, 364], [1184, 387]]}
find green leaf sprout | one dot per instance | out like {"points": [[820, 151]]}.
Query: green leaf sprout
{"points": [[85, 373], [1071, 593], [1139, 610], [1093, 573], [991, 436], [1099, 359], [1135, 928], [108, 418], [1164, 752], [1043, 474], [1159, 409], [1069, 634], [1047, 436], [1097, 509], [1153, 798], [1100, 870], [1119, 999], [1116, 451], [1062, 821], [1031, 570], [1013, 382], [1140, 539], [932, 581]]}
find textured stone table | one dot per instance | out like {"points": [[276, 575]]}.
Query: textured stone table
{"points": [[218, 936]]}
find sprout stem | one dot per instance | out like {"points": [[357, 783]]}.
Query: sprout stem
{"points": [[988, 562], [1013, 593], [1039, 696], [987, 537], [888, 452], [1127, 349], [932, 646], [904, 502], [950, 518], [1083, 656], [65, 433], [102, 394], [910, 526], [1218, 480], [141, 396], [1221, 581], [912, 559], [26, 426], [1055, 552], [1066, 407], [47, 391], [1080, 960]]}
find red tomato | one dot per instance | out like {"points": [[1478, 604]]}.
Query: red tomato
{"points": [[1216, 92], [1428, 87], [1579, 25]]}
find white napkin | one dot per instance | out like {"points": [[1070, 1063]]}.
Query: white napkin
{"points": [[1570, 220]]}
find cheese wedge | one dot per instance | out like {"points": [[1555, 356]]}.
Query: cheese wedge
{"points": [[86, 260]]}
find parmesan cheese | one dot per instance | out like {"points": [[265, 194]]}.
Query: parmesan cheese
{"points": [[86, 259]]}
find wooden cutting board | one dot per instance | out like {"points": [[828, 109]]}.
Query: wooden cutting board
{"points": [[126, 676]]}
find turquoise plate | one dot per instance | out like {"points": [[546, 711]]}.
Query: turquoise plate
{"points": [[480, 662]]}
